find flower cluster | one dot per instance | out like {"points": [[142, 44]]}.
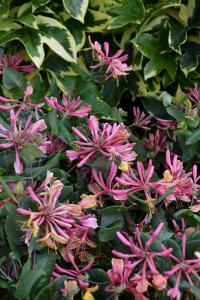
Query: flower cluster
{"points": [[98, 205], [54, 222]]}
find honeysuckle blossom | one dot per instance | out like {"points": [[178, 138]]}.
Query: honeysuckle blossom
{"points": [[140, 119], [155, 142], [17, 136], [176, 178], [167, 124], [139, 182], [77, 274], [14, 62], [111, 141], [56, 145], [21, 105], [99, 186], [54, 217], [194, 94], [118, 276], [144, 259], [69, 108], [186, 268], [54, 221], [115, 65]]}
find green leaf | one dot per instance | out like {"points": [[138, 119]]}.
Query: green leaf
{"points": [[109, 233], [176, 249], [129, 12], [57, 37], [148, 45], [189, 152], [53, 121], [112, 219], [96, 21], [13, 79], [111, 215], [30, 38], [31, 152], [162, 62], [176, 113], [78, 31], [37, 3], [76, 8], [177, 36], [30, 275], [13, 230], [28, 19], [187, 11], [4, 8], [48, 166], [51, 32], [52, 290], [7, 190], [190, 59], [154, 107], [98, 275], [194, 137]]}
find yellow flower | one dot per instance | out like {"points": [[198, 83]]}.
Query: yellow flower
{"points": [[88, 294], [151, 205], [123, 166]]}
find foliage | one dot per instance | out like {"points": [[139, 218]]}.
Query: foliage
{"points": [[99, 149]]}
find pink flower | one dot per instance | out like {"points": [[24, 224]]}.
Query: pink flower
{"points": [[17, 137], [196, 203], [144, 256], [194, 95], [52, 218], [14, 62], [56, 145], [115, 65], [140, 119], [101, 187], [118, 276], [167, 124], [155, 142], [70, 108], [139, 182], [176, 178], [110, 141], [186, 267], [77, 274], [22, 105], [179, 230]]}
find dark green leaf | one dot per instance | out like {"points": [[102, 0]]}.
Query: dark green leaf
{"points": [[13, 79], [76, 8], [37, 3], [31, 151], [53, 121], [194, 137], [128, 12]]}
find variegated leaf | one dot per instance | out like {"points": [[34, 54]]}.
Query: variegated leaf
{"points": [[76, 8], [37, 3], [57, 37], [29, 38], [96, 21], [50, 32]]}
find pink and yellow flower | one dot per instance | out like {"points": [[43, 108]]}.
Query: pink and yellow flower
{"points": [[69, 108], [110, 141], [115, 65], [18, 136]]}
